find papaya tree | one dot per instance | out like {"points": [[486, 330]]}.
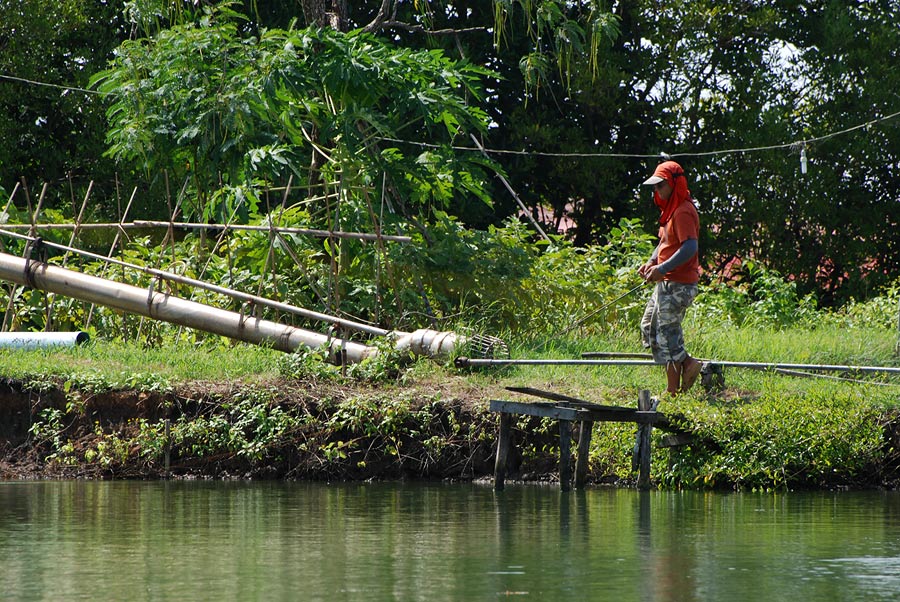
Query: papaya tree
{"points": [[218, 109]]}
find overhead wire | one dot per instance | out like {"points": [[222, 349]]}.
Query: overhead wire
{"points": [[730, 151], [57, 86], [496, 151]]}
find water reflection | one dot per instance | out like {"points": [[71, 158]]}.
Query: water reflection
{"points": [[278, 541]]}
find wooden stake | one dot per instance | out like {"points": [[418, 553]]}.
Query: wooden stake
{"points": [[643, 443], [503, 444], [584, 444], [565, 455]]}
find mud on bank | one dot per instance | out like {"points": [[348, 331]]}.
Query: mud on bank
{"points": [[277, 430], [324, 430]]}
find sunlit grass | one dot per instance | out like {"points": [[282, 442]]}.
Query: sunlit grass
{"points": [[117, 362]]}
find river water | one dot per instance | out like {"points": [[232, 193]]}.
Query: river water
{"points": [[246, 541]]}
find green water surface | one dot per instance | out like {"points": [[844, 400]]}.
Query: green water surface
{"points": [[286, 541]]}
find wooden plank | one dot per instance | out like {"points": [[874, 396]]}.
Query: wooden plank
{"points": [[503, 445], [643, 436], [565, 455], [585, 429], [560, 397], [600, 413], [542, 410], [561, 412]]}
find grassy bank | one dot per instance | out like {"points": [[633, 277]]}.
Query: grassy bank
{"points": [[235, 411]]}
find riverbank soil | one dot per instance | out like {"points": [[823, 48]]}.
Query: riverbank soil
{"points": [[280, 430], [320, 430]]}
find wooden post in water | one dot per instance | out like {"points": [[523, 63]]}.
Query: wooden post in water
{"points": [[565, 455], [503, 443], [584, 444], [643, 442], [168, 452]]}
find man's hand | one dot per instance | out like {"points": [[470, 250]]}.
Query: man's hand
{"points": [[650, 272], [654, 275]]}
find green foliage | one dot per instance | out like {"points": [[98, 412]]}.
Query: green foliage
{"points": [[824, 438], [213, 106], [567, 34], [46, 132], [48, 428], [308, 364], [757, 296], [369, 429], [110, 451], [882, 311], [249, 425], [388, 365], [94, 382]]}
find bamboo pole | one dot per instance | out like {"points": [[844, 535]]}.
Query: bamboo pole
{"points": [[112, 249], [466, 362], [48, 323], [515, 196], [33, 215], [144, 224]]}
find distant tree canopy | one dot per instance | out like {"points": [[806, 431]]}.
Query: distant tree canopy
{"points": [[47, 132], [587, 93]]}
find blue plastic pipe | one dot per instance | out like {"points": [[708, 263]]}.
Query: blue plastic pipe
{"points": [[38, 340]]}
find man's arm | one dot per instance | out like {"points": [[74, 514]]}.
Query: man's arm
{"points": [[687, 250]]}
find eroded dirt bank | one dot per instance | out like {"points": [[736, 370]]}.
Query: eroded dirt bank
{"points": [[322, 430], [280, 430]]}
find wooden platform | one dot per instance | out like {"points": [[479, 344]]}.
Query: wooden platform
{"points": [[569, 411]]}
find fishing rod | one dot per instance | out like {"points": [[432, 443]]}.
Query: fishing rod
{"points": [[601, 308]]}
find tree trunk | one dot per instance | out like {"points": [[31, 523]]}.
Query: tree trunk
{"points": [[325, 13]]}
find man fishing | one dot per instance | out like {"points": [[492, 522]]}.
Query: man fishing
{"points": [[675, 268]]}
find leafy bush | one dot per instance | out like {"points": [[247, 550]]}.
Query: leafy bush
{"points": [[756, 296], [825, 438]]}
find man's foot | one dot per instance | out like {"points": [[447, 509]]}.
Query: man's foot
{"points": [[673, 377], [690, 371]]}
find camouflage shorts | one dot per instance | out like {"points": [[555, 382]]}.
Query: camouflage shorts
{"points": [[661, 325]]}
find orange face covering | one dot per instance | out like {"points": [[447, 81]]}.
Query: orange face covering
{"points": [[674, 175]]}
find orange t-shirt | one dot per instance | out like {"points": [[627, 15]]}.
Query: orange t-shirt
{"points": [[684, 224]]}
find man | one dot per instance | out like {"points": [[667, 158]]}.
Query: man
{"points": [[675, 268]]}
